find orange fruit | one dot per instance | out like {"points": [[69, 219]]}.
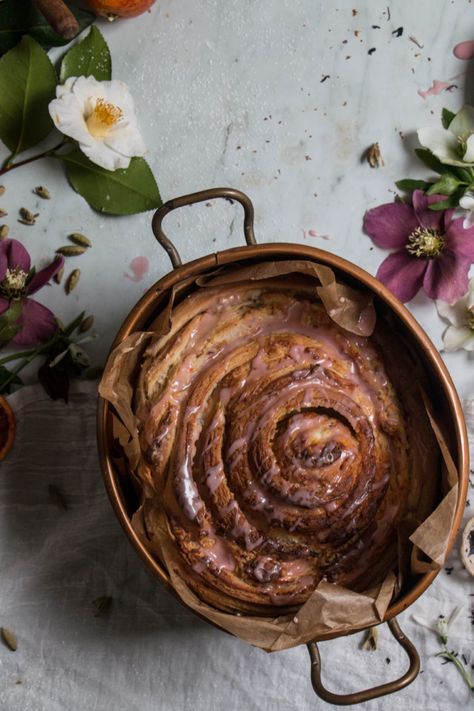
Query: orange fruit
{"points": [[7, 428], [119, 8]]}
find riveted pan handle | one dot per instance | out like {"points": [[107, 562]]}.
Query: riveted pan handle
{"points": [[367, 694], [201, 196]]}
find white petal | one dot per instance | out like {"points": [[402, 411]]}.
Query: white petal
{"points": [[67, 116], [454, 313], [468, 220], [106, 157], [455, 338], [467, 201], [442, 143], [463, 123], [469, 153], [126, 140]]}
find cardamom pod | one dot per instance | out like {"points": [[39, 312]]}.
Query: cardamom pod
{"points": [[2, 190], [42, 192], [86, 324], [3, 213], [4, 231], [70, 250], [9, 639], [80, 239], [59, 275], [72, 280], [370, 642]]}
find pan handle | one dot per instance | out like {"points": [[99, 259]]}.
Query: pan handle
{"points": [[201, 196], [360, 696]]}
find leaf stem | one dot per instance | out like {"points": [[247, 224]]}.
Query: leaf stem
{"points": [[50, 153]]}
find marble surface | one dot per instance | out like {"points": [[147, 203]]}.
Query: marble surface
{"points": [[235, 94]]}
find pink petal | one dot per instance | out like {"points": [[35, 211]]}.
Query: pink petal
{"points": [[389, 225], [16, 254], [433, 219], [402, 274], [37, 322], [460, 240], [446, 277], [42, 277]]}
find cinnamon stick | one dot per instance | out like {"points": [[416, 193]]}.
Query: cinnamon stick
{"points": [[59, 16]]}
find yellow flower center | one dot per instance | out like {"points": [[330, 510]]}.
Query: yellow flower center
{"points": [[104, 117], [13, 284], [425, 242]]}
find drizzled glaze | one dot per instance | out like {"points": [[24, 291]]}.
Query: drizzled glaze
{"points": [[273, 443]]}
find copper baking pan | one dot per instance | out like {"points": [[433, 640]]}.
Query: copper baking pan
{"points": [[442, 391]]}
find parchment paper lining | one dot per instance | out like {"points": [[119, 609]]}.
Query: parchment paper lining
{"points": [[330, 608]]}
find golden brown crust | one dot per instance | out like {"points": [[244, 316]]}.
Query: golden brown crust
{"points": [[275, 445]]}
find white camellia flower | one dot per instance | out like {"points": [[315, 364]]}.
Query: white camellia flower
{"points": [[467, 203], [453, 145], [460, 332], [100, 116]]}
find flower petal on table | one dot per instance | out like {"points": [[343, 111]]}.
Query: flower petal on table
{"points": [[37, 324], [44, 275], [442, 143], [390, 225], [402, 274], [446, 277], [459, 239], [16, 255], [432, 219]]}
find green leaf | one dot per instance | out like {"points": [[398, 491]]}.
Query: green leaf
{"points": [[451, 201], [115, 192], [9, 325], [22, 18], [408, 185], [91, 57], [446, 117], [27, 85], [6, 381], [431, 161], [446, 185]]}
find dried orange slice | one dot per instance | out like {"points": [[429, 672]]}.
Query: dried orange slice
{"points": [[7, 428]]}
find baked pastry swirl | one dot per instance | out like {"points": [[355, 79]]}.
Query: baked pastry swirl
{"points": [[273, 445]]}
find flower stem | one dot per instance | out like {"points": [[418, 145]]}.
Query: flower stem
{"points": [[450, 656], [50, 153]]}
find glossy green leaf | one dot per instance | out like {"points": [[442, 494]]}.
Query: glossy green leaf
{"points": [[19, 18], [408, 185], [451, 201], [27, 85], [446, 117], [91, 57], [117, 192]]}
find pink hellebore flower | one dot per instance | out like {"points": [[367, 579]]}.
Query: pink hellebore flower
{"points": [[434, 251], [36, 321]]}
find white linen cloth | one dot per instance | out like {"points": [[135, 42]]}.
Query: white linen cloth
{"points": [[148, 652]]}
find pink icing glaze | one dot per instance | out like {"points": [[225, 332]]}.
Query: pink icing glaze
{"points": [[139, 267], [464, 50]]}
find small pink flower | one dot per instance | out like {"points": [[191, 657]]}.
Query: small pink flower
{"points": [[16, 283], [434, 251]]}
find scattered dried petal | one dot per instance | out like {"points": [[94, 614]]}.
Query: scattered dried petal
{"points": [[3, 213], [374, 156], [2, 190], [80, 239], [415, 41], [42, 192], [9, 639], [72, 280], [102, 605], [27, 217], [57, 497], [86, 324], [4, 231], [370, 642]]}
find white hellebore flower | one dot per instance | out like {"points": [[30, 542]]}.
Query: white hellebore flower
{"points": [[453, 145], [460, 332], [100, 116], [467, 203]]}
